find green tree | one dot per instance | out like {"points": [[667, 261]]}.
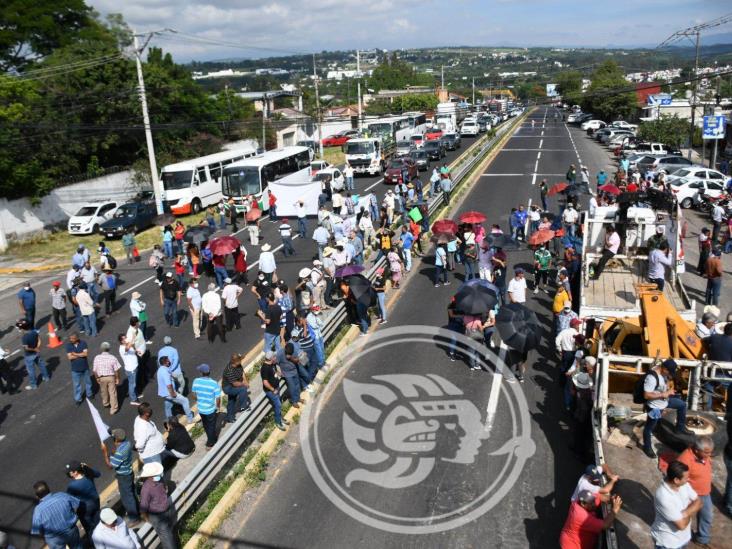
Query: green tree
{"points": [[669, 130], [608, 97], [569, 86], [394, 74]]}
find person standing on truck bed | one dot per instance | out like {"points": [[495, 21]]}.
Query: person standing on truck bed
{"points": [[658, 260], [658, 397]]}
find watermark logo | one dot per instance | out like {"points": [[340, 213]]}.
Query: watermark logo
{"points": [[410, 448]]}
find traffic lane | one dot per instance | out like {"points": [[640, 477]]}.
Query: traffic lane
{"points": [[534, 510]]}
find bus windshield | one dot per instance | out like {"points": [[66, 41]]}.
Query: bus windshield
{"points": [[363, 147], [380, 128], [177, 180], [242, 182]]}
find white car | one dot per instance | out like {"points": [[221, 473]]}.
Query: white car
{"points": [[623, 125], [573, 117], [318, 165], [685, 190], [90, 217], [592, 125], [469, 127], [337, 179]]}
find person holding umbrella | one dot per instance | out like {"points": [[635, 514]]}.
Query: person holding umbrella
{"points": [[520, 331]]}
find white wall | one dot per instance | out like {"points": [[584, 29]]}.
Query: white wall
{"points": [[19, 219]]}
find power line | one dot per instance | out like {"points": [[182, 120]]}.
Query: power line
{"points": [[185, 37]]}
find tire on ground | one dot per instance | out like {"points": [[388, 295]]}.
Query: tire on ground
{"points": [[705, 423]]}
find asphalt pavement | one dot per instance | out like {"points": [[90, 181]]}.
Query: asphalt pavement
{"points": [[41, 430], [298, 508]]}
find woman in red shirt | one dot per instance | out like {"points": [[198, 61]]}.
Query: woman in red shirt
{"points": [[240, 265], [178, 232]]}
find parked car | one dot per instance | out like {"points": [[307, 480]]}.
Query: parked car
{"points": [[451, 141], [433, 133], [134, 215], [417, 140], [686, 190], [572, 118], [671, 163], [614, 132], [593, 124], [340, 138], [697, 173], [394, 170], [642, 162], [337, 179], [317, 165], [599, 134], [403, 148], [623, 125], [434, 149], [421, 158], [90, 217], [469, 128]]}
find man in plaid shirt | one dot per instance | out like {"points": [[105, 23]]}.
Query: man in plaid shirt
{"points": [[106, 371]]}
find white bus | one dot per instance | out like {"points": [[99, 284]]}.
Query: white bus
{"points": [[417, 121], [194, 184], [395, 126], [252, 175]]}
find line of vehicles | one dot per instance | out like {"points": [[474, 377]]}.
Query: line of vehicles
{"points": [[407, 143]]}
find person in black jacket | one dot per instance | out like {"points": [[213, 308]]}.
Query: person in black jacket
{"points": [[179, 444]]}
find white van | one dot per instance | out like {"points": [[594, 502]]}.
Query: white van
{"points": [[90, 216]]}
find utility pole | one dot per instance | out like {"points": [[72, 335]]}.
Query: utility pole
{"points": [[317, 108], [228, 103], [358, 76], [473, 91], [157, 187], [717, 110], [264, 118], [693, 97]]}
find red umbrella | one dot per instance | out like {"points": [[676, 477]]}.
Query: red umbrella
{"points": [[541, 236], [556, 189], [224, 245], [472, 217], [609, 188], [446, 226], [253, 214]]}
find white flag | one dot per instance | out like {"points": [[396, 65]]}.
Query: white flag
{"points": [[102, 428]]}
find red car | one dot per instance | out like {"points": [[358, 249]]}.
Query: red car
{"points": [[433, 134], [339, 139], [393, 173]]}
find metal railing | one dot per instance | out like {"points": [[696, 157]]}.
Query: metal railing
{"points": [[229, 445]]}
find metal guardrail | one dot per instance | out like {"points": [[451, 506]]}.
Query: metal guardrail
{"points": [[207, 470]]}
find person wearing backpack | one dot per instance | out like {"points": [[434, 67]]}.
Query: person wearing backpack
{"points": [[654, 392], [108, 282]]}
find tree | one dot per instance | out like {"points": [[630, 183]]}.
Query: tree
{"points": [[669, 130], [394, 74], [31, 29], [607, 97], [569, 86]]}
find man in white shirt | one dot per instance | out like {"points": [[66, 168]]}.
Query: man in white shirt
{"points": [[612, 244], [592, 482], [149, 441], [485, 265], [113, 533], [321, 237], [130, 362], [230, 294], [348, 173], [569, 218], [389, 203], [85, 303], [193, 296], [593, 206], [211, 307], [267, 263], [675, 503], [566, 344], [718, 214], [517, 287], [301, 213]]}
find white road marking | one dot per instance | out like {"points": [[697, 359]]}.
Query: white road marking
{"points": [[494, 395], [374, 185], [571, 139], [541, 143], [521, 174], [538, 149]]}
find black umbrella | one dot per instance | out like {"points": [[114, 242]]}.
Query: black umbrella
{"points": [[474, 299], [518, 327], [164, 219], [360, 288], [197, 234], [502, 241]]}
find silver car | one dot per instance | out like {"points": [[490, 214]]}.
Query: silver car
{"points": [[671, 163]]}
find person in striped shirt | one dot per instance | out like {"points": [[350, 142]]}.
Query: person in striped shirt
{"points": [[54, 518], [208, 397], [121, 462]]}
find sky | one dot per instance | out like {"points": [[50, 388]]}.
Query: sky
{"points": [[270, 28]]}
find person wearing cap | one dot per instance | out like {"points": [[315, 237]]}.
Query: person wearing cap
{"points": [[81, 256], [121, 463], [565, 316], [658, 260], [705, 248], [27, 303], [72, 275], [87, 309], [138, 308], [236, 387], [582, 527], [657, 240], [517, 287], [31, 342], [77, 351], [566, 346], [658, 398], [315, 325], [193, 297], [580, 386], [170, 294], [271, 386], [212, 312], [82, 486], [208, 398], [156, 506], [267, 263], [591, 481], [136, 336], [106, 369], [58, 305], [54, 518], [285, 230], [167, 389], [676, 503], [113, 533], [230, 294]]}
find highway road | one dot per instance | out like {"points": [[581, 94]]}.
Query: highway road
{"points": [[366, 470], [40, 431]]}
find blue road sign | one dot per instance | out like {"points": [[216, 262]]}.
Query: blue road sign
{"points": [[714, 127]]}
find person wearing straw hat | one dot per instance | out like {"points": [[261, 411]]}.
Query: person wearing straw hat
{"points": [[267, 263], [113, 533], [156, 506]]}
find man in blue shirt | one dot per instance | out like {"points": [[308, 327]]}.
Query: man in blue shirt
{"points": [[407, 240], [175, 368], [77, 351], [121, 463], [81, 256], [54, 518], [208, 396], [27, 303], [32, 355], [82, 486], [167, 391]]}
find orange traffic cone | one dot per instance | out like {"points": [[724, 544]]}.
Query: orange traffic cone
{"points": [[53, 340]]}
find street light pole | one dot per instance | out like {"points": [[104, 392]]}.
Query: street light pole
{"points": [[317, 108], [473, 91], [157, 187], [693, 97], [358, 76]]}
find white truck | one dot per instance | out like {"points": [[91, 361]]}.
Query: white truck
{"points": [[450, 115], [369, 154]]}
